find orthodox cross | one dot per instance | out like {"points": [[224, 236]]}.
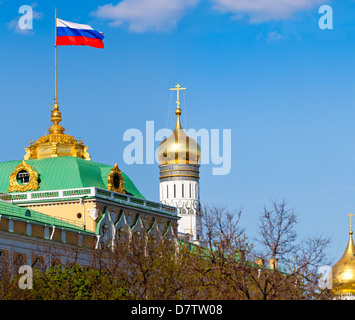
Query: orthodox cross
{"points": [[177, 89]]}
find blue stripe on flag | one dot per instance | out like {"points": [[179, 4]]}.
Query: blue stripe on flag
{"points": [[65, 31]]}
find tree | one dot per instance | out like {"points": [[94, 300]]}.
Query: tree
{"points": [[226, 266], [277, 231], [238, 271], [300, 261]]}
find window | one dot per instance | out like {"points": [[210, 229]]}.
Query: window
{"points": [[174, 190], [116, 180], [190, 191], [23, 177], [167, 191], [182, 190]]}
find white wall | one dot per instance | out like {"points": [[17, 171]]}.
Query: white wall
{"points": [[185, 195]]}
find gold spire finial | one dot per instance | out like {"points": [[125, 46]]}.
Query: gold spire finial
{"points": [[177, 110], [178, 148], [55, 57], [350, 215], [56, 117]]}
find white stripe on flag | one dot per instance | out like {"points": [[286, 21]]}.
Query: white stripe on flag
{"points": [[72, 25]]}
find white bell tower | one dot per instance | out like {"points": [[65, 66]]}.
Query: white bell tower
{"points": [[179, 155]]}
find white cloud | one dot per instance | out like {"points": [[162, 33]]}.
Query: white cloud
{"points": [[274, 36], [146, 15], [264, 10]]}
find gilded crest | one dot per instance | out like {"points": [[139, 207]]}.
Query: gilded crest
{"points": [[24, 178], [115, 180]]}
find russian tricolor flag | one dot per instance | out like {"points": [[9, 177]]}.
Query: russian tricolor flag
{"points": [[70, 33]]}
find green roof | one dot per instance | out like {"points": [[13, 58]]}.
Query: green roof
{"points": [[13, 211], [66, 173]]}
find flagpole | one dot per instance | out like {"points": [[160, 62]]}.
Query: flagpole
{"points": [[55, 57]]}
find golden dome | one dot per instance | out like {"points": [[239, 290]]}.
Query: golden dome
{"points": [[344, 270], [178, 148], [56, 143]]}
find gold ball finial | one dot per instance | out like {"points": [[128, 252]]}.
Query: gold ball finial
{"points": [[56, 117]]}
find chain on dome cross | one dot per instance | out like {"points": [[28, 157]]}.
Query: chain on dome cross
{"points": [[350, 215]]}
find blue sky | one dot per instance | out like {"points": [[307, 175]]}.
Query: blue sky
{"points": [[283, 86]]}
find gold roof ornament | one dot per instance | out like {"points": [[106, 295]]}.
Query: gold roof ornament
{"points": [[178, 148], [115, 180], [23, 178], [56, 143], [344, 270]]}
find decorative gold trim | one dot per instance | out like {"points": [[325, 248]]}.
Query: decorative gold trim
{"points": [[111, 186], [31, 185]]}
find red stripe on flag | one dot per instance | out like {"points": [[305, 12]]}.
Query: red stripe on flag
{"points": [[79, 41]]}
